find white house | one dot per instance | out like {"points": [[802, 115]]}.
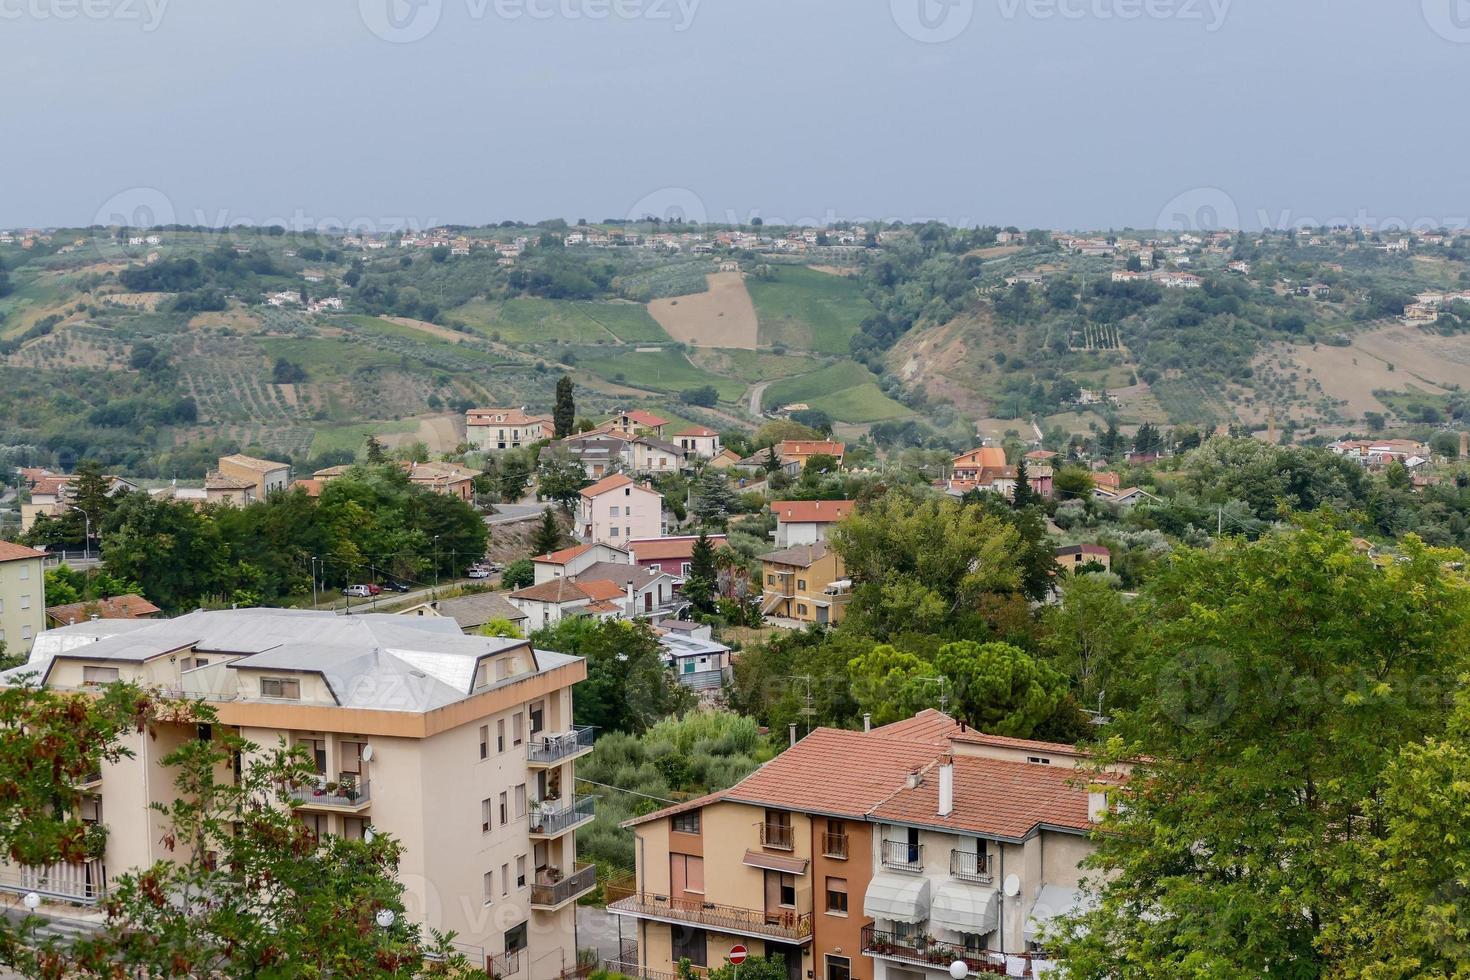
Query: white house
{"points": [[807, 521], [571, 562], [698, 442], [615, 510]]}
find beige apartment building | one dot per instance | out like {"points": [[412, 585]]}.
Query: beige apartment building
{"points": [[944, 845], [22, 596], [498, 429], [263, 476], [461, 747]]}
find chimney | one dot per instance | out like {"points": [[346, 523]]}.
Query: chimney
{"points": [[1097, 805], [946, 787], [793, 733], [632, 601], [915, 778], [867, 722]]}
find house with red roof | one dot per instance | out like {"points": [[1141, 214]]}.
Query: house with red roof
{"points": [[615, 510], [671, 555], [699, 442], [807, 521], [800, 451], [636, 421], [571, 562]]}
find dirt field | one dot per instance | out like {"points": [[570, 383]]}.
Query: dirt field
{"points": [[443, 333], [722, 317], [443, 433], [834, 270], [145, 301]]}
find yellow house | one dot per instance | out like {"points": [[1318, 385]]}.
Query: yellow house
{"points": [[806, 583], [22, 596]]}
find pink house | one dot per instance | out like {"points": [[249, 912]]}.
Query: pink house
{"points": [[616, 510], [671, 555]]}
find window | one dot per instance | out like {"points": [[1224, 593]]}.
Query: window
{"points": [[521, 800], [686, 873], [99, 675], [538, 717], [521, 871], [684, 568], [837, 896], [770, 579], [25, 632], [504, 809], [687, 823], [1038, 760], [25, 602], [489, 881], [801, 584], [801, 609], [487, 812], [689, 944], [515, 939], [518, 728], [484, 741], [284, 688], [500, 735], [614, 532], [838, 967], [504, 879], [614, 513], [25, 573], [788, 891]]}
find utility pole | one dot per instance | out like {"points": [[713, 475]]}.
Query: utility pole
{"points": [[436, 566], [315, 600]]}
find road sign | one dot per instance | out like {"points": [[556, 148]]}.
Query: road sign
{"points": [[737, 955]]}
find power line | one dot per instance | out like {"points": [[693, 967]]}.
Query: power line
{"points": [[630, 792]]}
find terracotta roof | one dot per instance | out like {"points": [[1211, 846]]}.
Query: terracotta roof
{"points": [[501, 416], [929, 725], [985, 456], [697, 431], [806, 447], [994, 797], [18, 552], [801, 556], [1082, 549], [619, 574], [971, 737], [312, 486], [603, 606], [659, 549], [50, 485], [565, 555], [818, 772], [558, 590], [118, 607], [615, 482], [601, 589], [812, 511], [640, 417], [1041, 454], [252, 463], [1102, 479], [215, 480]]}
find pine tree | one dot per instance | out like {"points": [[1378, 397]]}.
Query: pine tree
{"points": [[376, 454], [548, 536], [699, 585], [1023, 497], [564, 416]]}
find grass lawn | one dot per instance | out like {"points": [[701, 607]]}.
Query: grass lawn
{"points": [[808, 310], [352, 437], [323, 357], [847, 391], [752, 366], [530, 320], [664, 371]]}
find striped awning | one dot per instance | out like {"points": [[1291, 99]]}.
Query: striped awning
{"points": [[964, 907], [775, 862], [1053, 901], [897, 898]]}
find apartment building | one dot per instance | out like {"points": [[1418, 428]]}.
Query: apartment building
{"points": [[806, 583], [265, 476], [944, 846], [461, 747], [499, 429], [616, 510], [22, 596], [808, 521]]}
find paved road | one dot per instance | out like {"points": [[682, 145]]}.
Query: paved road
{"points": [[511, 513], [65, 929], [756, 394], [595, 927]]}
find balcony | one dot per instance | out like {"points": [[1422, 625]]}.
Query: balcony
{"points": [[702, 680], [554, 818], [783, 925], [345, 793], [83, 884], [90, 781], [937, 955], [777, 836], [553, 750], [903, 856], [967, 866], [835, 846], [548, 895]]}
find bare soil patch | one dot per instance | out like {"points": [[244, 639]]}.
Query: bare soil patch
{"points": [[722, 317]]}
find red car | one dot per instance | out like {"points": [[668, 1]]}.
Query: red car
{"points": [[375, 590]]}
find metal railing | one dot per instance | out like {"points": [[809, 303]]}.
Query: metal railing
{"points": [[344, 791], [835, 846], [903, 856], [553, 819], [553, 893], [703, 680], [784, 924], [777, 836], [554, 748], [506, 964], [935, 953], [968, 866], [84, 884], [630, 968]]}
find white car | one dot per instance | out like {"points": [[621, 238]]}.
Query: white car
{"points": [[479, 571], [358, 591]]}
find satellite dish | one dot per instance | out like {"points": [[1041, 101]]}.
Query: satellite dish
{"points": [[1012, 886], [367, 753]]}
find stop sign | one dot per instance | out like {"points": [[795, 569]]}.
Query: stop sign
{"points": [[737, 955]]}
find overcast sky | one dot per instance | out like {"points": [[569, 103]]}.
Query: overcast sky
{"points": [[1051, 113]]}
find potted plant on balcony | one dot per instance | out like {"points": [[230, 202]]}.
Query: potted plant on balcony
{"points": [[347, 786]]}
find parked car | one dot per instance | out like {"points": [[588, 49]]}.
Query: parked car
{"points": [[399, 587], [375, 589], [358, 591], [478, 571]]}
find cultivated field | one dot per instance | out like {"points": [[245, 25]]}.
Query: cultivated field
{"points": [[530, 320], [664, 371], [722, 317], [809, 310], [846, 391]]}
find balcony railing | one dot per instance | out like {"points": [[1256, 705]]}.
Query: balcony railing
{"points": [[777, 836], [903, 856], [347, 791], [551, 894], [939, 955], [835, 846], [783, 924], [551, 749], [968, 866], [555, 819], [506, 964], [630, 968], [703, 680], [84, 884]]}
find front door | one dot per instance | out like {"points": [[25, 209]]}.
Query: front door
{"points": [[791, 954]]}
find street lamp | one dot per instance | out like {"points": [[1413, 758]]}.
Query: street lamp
{"points": [[959, 969], [385, 918], [32, 901], [436, 566], [87, 541]]}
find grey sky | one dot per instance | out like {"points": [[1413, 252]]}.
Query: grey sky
{"points": [[1065, 113]]}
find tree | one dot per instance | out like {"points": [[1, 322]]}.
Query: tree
{"points": [[1023, 495], [502, 628], [1073, 483], [548, 535], [699, 584], [514, 477], [561, 476], [705, 396], [714, 501], [1001, 689], [565, 413], [1085, 632], [376, 454], [627, 688], [891, 685], [177, 551], [1263, 710], [519, 574]]}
